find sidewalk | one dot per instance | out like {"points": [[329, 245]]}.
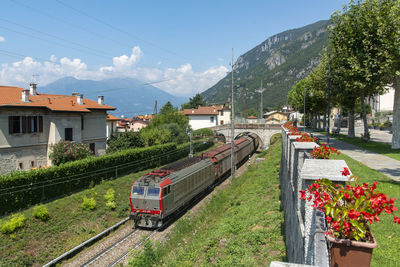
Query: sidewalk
{"points": [[388, 166]]}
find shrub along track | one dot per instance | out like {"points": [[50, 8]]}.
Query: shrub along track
{"points": [[115, 248]]}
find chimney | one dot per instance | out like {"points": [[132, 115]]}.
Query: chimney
{"points": [[25, 95], [32, 88], [100, 100], [79, 98]]}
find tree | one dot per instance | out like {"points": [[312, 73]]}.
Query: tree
{"points": [[167, 108], [125, 140], [194, 102], [167, 126], [251, 112], [358, 39]]}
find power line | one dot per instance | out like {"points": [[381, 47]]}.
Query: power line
{"points": [[55, 37], [62, 180], [118, 30], [57, 43], [64, 96]]}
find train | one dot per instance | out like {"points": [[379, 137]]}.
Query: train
{"points": [[158, 195]]}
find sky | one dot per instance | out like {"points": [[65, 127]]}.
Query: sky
{"points": [[184, 47]]}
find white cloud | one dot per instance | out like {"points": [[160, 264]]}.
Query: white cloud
{"points": [[182, 80], [2, 39]]}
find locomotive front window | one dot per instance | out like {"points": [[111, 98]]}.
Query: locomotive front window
{"points": [[153, 191], [138, 190]]}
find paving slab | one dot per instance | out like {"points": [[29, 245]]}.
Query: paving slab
{"points": [[388, 166]]}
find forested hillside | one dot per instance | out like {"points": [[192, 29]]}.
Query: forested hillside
{"points": [[279, 62]]}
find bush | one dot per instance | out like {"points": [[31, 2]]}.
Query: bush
{"points": [[66, 151], [109, 196], [205, 132], [41, 213], [125, 140], [25, 188], [88, 203], [275, 138], [17, 221]]}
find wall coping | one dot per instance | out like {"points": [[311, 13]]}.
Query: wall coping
{"points": [[305, 145], [314, 169]]}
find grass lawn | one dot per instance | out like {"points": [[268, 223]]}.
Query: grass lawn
{"points": [[69, 225], [386, 232], [240, 225], [377, 147]]}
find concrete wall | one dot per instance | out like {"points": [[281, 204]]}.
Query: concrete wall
{"points": [[202, 121], [31, 149], [305, 227]]}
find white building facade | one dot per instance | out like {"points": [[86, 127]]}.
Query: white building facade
{"points": [[31, 122], [206, 117]]}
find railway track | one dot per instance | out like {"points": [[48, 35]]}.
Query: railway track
{"points": [[117, 251]]}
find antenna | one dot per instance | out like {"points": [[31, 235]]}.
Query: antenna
{"points": [[33, 77]]}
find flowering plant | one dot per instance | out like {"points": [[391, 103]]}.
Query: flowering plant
{"points": [[349, 209], [305, 137], [323, 151], [65, 151]]}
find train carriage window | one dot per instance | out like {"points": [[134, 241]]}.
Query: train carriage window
{"points": [[153, 191], [138, 190], [166, 190]]}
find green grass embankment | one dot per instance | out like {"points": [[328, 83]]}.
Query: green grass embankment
{"points": [[38, 242], [377, 147], [240, 225], [386, 232]]}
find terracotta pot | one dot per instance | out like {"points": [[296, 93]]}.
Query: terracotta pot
{"points": [[348, 253]]}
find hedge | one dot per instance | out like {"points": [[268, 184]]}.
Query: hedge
{"points": [[22, 189]]}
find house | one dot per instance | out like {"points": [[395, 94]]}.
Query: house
{"points": [[275, 117], [140, 122], [382, 103], [205, 117], [252, 119], [111, 125], [30, 122]]}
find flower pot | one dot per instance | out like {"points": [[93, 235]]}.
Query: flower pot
{"points": [[346, 253]]}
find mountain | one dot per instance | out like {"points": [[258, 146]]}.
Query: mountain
{"points": [[280, 61], [130, 97]]}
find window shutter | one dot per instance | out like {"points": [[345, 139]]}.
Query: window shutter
{"points": [[10, 124], [40, 124], [29, 124], [24, 124]]}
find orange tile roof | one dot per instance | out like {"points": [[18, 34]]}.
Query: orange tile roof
{"points": [[10, 96], [213, 110], [112, 118], [252, 117]]}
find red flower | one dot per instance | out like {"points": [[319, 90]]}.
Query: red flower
{"points": [[303, 194], [353, 214], [345, 171], [396, 220]]}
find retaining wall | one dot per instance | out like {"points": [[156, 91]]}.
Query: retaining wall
{"points": [[304, 226]]}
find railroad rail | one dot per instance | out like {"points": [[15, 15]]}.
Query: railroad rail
{"points": [[78, 248]]}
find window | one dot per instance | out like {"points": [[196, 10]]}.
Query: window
{"points": [[82, 123], [212, 119], [32, 164], [25, 124], [21, 166], [221, 122], [92, 147], [68, 134], [222, 113], [139, 190], [153, 191]]}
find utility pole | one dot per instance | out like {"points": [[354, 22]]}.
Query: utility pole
{"points": [[261, 91], [232, 128], [155, 107], [190, 133], [304, 114]]}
